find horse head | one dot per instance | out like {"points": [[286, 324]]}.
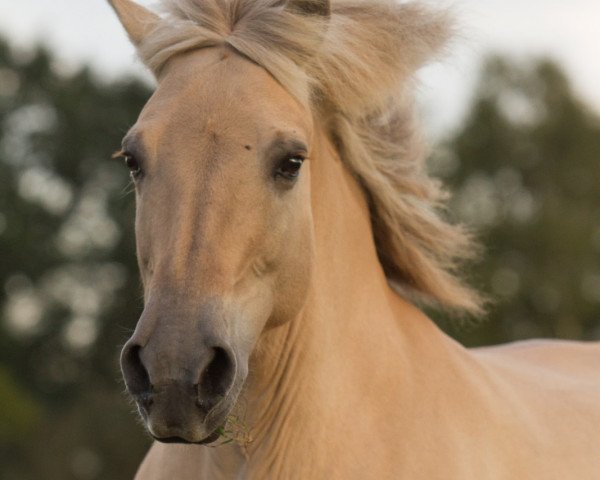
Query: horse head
{"points": [[221, 158]]}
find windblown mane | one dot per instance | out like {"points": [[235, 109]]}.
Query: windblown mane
{"points": [[354, 68]]}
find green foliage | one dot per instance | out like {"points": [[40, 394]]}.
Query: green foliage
{"points": [[524, 170], [235, 430], [19, 415], [69, 289]]}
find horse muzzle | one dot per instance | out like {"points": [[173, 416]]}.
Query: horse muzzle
{"points": [[183, 395]]}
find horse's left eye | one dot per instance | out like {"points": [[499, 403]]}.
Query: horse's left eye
{"points": [[289, 168]]}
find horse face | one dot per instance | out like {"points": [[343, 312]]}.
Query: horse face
{"points": [[219, 158]]}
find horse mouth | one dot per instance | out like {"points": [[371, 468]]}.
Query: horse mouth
{"points": [[213, 437], [189, 425], [190, 430]]}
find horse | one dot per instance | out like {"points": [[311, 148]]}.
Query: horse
{"points": [[288, 235]]}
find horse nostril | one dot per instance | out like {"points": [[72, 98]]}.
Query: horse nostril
{"points": [[135, 374], [216, 379]]}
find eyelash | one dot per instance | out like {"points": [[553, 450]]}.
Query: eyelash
{"points": [[131, 163]]}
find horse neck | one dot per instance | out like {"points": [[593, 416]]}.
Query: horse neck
{"points": [[354, 337]]}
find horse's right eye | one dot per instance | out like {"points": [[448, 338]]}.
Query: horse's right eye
{"points": [[132, 164]]}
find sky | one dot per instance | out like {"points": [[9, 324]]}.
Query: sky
{"points": [[87, 31]]}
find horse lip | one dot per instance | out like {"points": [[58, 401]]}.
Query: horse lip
{"points": [[213, 437], [209, 439], [212, 421], [172, 440]]}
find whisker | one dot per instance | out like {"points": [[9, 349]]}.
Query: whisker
{"points": [[128, 189]]}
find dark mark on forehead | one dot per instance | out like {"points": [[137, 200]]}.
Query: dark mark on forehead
{"points": [[247, 147]]}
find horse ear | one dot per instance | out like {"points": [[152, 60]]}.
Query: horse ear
{"points": [[137, 20], [321, 8]]}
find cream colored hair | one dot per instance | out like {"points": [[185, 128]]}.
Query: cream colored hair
{"points": [[352, 66]]}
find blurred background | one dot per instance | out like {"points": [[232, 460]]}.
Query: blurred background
{"points": [[512, 112]]}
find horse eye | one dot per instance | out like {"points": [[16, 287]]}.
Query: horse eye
{"points": [[132, 164], [289, 168]]}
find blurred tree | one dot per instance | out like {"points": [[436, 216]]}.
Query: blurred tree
{"points": [[524, 170], [69, 290]]}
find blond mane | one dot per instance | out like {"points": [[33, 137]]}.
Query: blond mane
{"points": [[354, 69]]}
